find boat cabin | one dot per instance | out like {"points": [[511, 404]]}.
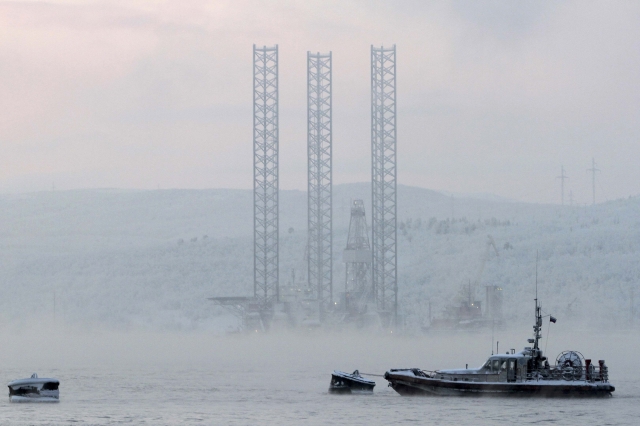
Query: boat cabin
{"points": [[34, 389], [509, 367]]}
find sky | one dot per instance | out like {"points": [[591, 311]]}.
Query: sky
{"points": [[493, 96]]}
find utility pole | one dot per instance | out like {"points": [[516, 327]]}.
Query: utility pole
{"points": [[453, 208], [562, 178], [593, 171]]}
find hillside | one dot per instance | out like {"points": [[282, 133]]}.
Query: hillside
{"points": [[149, 259]]}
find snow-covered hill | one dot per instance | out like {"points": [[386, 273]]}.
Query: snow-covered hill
{"points": [[149, 259]]}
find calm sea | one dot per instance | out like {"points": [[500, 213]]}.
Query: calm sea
{"points": [[283, 379]]}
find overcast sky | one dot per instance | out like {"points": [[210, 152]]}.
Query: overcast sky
{"points": [[493, 96]]}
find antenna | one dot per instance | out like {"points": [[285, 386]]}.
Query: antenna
{"points": [[536, 278]]}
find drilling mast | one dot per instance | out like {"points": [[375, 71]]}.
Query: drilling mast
{"points": [[319, 146], [357, 259], [383, 179], [265, 178]]}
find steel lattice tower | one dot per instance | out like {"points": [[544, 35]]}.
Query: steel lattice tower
{"points": [[383, 177], [265, 175], [319, 141], [357, 258]]}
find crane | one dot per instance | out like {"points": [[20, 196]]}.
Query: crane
{"points": [[472, 287], [485, 257]]}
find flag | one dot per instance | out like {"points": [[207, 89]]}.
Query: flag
{"points": [[552, 319]]}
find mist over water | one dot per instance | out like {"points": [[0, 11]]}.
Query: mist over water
{"points": [[107, 291], [110, 290], [282, 378]]}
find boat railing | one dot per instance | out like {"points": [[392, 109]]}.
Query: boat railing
{"points": [[591, 373]]}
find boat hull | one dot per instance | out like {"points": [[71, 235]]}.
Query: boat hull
{"points": [[348, 383], [407, 385], [31, 399]]}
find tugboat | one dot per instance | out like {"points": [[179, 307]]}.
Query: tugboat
{"points": [[526, 373], [34, 389], [342, 382]]}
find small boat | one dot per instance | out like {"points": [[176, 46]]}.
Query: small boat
{"points": [[342, 382], [34, 389], [526, 373]]}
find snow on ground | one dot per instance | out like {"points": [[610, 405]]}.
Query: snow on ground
{"points": [[149, 259]]}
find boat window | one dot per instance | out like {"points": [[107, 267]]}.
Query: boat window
{"points": [[496, 365], [486, 366], [50, 386], [23, 390]]}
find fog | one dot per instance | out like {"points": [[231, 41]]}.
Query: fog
{"points": [[126, 203], [493, 96], [315, 352], [149, 260]]}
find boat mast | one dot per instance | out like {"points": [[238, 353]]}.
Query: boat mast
{"points": [[538, 326]]}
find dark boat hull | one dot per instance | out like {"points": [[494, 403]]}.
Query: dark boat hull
{"points": [[348, 383], [406, 385]]}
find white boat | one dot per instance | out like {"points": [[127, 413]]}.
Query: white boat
{"points": [[34, 389]]}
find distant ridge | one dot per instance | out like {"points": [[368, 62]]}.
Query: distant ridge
{"points": [[487, 196], [150, 258], [168, 213]]}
